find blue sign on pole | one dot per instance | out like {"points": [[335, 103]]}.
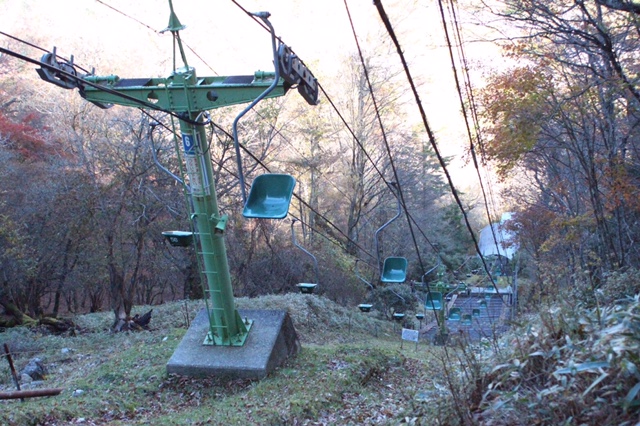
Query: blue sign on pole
{"points": [[188, 142]]}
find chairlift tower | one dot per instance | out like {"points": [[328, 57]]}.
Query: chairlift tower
{"points": [[189, 97]]}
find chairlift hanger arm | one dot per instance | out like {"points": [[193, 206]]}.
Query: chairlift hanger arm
{"points": [[295, 243]]}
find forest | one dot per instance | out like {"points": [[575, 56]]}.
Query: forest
{"points": [[555, 123], [83, 232]]}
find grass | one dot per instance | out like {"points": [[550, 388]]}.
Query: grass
{"points": [[351, 370]]}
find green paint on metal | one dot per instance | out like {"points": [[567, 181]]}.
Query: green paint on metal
{"points": [[434, 301], [394, 270], [454, 314], [181, 92], [269, 197]]}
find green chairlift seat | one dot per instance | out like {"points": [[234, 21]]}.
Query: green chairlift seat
{"points": [[394, 270], [398, 316], [483, 304], [434, 301], [475, 312], [455, 314], [270, 196], [179, 238], [466, 319], [306, 288], [365, 307]]}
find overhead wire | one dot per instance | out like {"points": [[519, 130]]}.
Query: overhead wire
{"points": [[154, 107], [471, 98], [205, 62], [380, 173], [154, 30], [466, 119], [336, 109], [38, 48], [266, 168], [357, 140], [200, 57], [490, 204], [367, 155], [373, 163], [387, 23], [98, 86], [388, 149]]}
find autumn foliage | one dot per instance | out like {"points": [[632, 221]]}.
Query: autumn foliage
{"points": [[26, 136]]}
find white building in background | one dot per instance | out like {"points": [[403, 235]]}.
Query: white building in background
{"points": [[500, 241]]}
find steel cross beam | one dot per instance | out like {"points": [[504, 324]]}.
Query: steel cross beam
{"points": [[181, 92]]}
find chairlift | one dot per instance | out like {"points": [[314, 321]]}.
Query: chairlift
{"points": [[270, 194], [269, 197], [178, 238], [305, 287], [475, 312], [398, 316], [466, 319], [433, 301], [455, 314], [394, 269], [365, 307], [483, 304]]}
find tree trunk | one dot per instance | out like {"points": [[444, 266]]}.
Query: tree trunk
{"points": [[14, 316], [116, 284]]}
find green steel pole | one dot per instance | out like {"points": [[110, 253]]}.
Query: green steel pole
{"points": [[226, 327]]}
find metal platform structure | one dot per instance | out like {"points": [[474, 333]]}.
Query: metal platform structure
{"points": [[489, 312]]}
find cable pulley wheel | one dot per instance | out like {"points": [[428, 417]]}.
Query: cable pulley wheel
{"points": [[285, 61], [50, 74]]}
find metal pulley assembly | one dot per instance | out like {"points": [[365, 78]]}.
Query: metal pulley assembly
{"points": [[64, 74], [293, 71], [59, 73]]}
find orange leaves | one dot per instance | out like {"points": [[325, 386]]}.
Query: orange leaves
{"points": [[622, 187], [23, 137], [514, 110]]}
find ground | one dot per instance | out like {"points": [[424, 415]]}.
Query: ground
{"points": [[353, 368]]}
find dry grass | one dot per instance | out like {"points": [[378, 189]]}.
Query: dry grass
{"points": [[351, 370], [567, 367], [560, 366]]}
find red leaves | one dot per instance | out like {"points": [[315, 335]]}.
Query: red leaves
{"points": [[25, 137]]}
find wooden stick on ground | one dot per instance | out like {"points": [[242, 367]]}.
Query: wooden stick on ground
{"points": [[13, 369], [30, 393]]}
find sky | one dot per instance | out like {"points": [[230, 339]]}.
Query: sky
{"points": [[122, 37]]}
